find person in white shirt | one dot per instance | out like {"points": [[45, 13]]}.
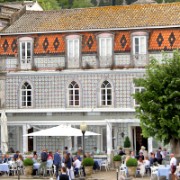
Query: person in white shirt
{"points": [[173, 163], [77, 165]]}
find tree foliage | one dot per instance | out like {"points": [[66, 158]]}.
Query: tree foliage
{"points": [[159, 110]]}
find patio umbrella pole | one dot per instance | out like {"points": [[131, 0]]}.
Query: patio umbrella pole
{"points": [[117, 173]]}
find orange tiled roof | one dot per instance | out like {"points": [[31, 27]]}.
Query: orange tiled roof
{"points": [[99, 18]]}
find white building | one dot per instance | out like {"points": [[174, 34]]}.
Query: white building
{"points": [[78, 65]]}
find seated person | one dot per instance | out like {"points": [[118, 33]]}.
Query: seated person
{"points": [[7, 158], [50, 155], [20, 160], [63, 175], [95, 151], [15, 157], [121, 152], [140, 156], [2, 160], [79, 156], [147, 164], [152, 159], [35, 157], [77, 165], [140, 163]]}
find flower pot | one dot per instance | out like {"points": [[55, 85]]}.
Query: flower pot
{"points": [[117, 164], [88, 170], [132, 170], [28, 170]]}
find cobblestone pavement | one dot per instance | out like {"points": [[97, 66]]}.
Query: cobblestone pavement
{"points": [[98, 175]]}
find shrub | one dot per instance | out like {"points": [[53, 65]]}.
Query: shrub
{"points": [[28, 162], [127, 142], [131, 162], [88, 161], [117, 158]]}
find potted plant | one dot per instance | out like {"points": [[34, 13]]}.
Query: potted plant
{"points": [[117, 161], [132, 163], [127, 145], [28, 166], [88, 165]]}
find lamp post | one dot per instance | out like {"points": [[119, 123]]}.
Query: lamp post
{"points": [[83, 128]]}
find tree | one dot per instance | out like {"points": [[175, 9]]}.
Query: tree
{"points": [[49, 4], [82, 4], [159, 103]]}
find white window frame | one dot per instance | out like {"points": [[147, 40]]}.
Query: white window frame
{"points": [[105, 49], [139, 89], [139, 45], [24, 101], [106, 88], [73, 94], [25, 60]]}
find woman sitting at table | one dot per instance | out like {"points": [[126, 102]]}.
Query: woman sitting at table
{"points": [[50, 155], [35, 157], [20, 160]]}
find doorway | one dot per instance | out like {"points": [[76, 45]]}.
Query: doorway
{"points": [[138, 139], [30, 140]]}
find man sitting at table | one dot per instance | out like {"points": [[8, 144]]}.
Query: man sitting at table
{"points": [[173, 163], [2, 160], [77, 165]]}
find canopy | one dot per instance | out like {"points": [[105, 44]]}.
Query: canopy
{"points": [[61, 130], [4, 133]]}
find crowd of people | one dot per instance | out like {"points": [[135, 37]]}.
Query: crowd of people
{"points": [[154, 158], [61, 162]]}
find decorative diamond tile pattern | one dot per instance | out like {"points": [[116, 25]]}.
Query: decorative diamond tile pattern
{"points": [[123, 41], [5, 45], [45, 44], [14, 45], [160, 39], [55, 43], [171, 39], [90, 42]]}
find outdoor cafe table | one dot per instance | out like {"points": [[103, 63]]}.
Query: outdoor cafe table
{"points": [[164, 171], [4, 167], [36, 165]]}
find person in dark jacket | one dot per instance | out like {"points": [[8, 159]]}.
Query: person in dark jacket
{"points": [[63, 175], [57, 161]]}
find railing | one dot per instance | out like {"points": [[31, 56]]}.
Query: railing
{"points": [[140, 60]]}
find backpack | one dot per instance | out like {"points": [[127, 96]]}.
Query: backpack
{"points": [[44, 156]]}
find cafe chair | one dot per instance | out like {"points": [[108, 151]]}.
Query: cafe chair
{"points": [[104, 164], [154, 173], [123, 170], [13, 168], [140, 171]]}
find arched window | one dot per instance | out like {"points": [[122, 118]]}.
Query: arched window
{"points": [[106, 94], [73, 94], [26, 95]]}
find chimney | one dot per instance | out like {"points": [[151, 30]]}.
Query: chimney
{"points": [[113, 2]]}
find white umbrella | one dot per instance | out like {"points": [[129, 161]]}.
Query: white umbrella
{"points": [[61, 130], [4, 133]]}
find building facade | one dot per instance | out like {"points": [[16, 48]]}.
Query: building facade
{"points": [[78, 65]]}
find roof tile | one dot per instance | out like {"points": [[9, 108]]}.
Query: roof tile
{"points": [[87, 19]]}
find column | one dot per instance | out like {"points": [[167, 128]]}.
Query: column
{"points": [[98, 143], [150, 145], [75, 144], [109, 140], [25, 139]]}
